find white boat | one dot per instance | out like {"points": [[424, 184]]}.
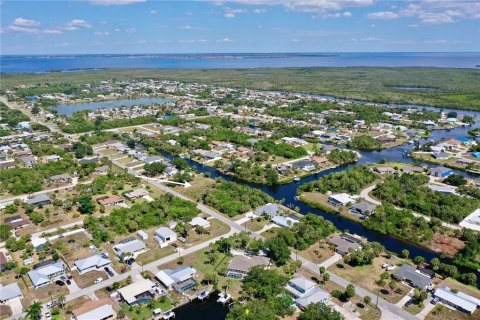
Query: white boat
{"points": [[203, 295], [169, 315], [223, 297], [296, 179]]}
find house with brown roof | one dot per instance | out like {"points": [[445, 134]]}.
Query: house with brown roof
{"points": [[17, 222], [319, 160], [112, 200]]}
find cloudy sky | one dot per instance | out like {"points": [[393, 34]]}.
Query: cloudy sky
{"points": [[143, 26]]}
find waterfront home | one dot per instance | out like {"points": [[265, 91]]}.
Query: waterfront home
{"points": [[140, 291], [9, 292], [43, 273], [108, 201], [440, 172], [135, 194], [129, 248], [269, 209], [340, 199], [306, 292], [345, 243], [413, 277], [363, 209], [181, 279], [285, 222], [165, 236], [441, 155], [95, 309], [199, 222], [39, 200], [458, 300], [95, 262], [153, 159], [305, 165], [385, 170], [412, 169], [240, 266]]}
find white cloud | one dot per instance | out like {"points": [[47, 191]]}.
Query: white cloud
{"points": [[77, 24], [295, 40], [63, 44], [101, 33], [153, 11], [114, 2], [229, 15], [438, 41], [22, 22], [383, 15], [226, 40], [130, 30], [186, 27], [434, 12], [258, 11], [52, 31], [369, 39], [347, 14]]}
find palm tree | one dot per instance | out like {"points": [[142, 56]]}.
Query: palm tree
{"points": [[34, 312], [61, 300]]}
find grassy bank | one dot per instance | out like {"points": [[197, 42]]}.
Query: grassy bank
{"points": [[444, 87]]}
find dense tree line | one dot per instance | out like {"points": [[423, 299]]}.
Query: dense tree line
{"points": [[369, 251], [233, 199], [402, 223], [364, 142], [281, 149], [352, 180], [408, 191], [341, 157], [11, 116]]}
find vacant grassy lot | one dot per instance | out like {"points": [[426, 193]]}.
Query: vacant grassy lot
{"points": [[440, 312], [446, 87], [87, 279], [317, 253], [365, 276]]}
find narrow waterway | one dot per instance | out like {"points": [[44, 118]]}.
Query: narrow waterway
{"points": [[288, 192]]}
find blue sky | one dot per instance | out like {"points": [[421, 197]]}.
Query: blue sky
{"points": [[139, 26]]}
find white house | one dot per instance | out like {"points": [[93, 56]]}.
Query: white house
{"points": [[199, 222], [95, 262], [165, 236]]}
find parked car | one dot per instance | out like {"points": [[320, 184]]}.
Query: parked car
{"points": [[435, 300], [59, 283], [391, 267], [68, 282], [409, 303], [98, 280], [108, 271], [385, 265]]}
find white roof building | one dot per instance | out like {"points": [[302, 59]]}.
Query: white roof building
{"points": [[165, 236], [132, 291], [93, 263], [10, 292], [199, 222]]}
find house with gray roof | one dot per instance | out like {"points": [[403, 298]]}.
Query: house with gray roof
{"points": [[306, 292], [413, 277], [10, 292], [129, 248], [95, 262], [164, 236], [270, 209], [363, 209], [344, 243], [458, 300], [181, 279], [240, 266], [440, 172], [153, 159], [39, 200], [43, 275]]}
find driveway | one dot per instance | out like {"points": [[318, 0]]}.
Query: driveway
{"points": [[16, 306]]}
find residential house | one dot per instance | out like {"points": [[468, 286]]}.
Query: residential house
{"points": [[269, 209], [305, 165], [199, 222], [153, 159], [385, 170], [102, 169], [139, 291], [413, 277], [43, 273], [165, 236], [306, 292], [95, 309], [181, 279], [441, 155], [39, 200], [363, 209], [340, 199], [285, 222], [345, 243], [440, 172], [135, 194], [9, 164], [64, 177], [10, 292], [129, 248], [17, 222], [95, 262], [112, 200], [458, 300], [53, 158], [240, 266]]}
